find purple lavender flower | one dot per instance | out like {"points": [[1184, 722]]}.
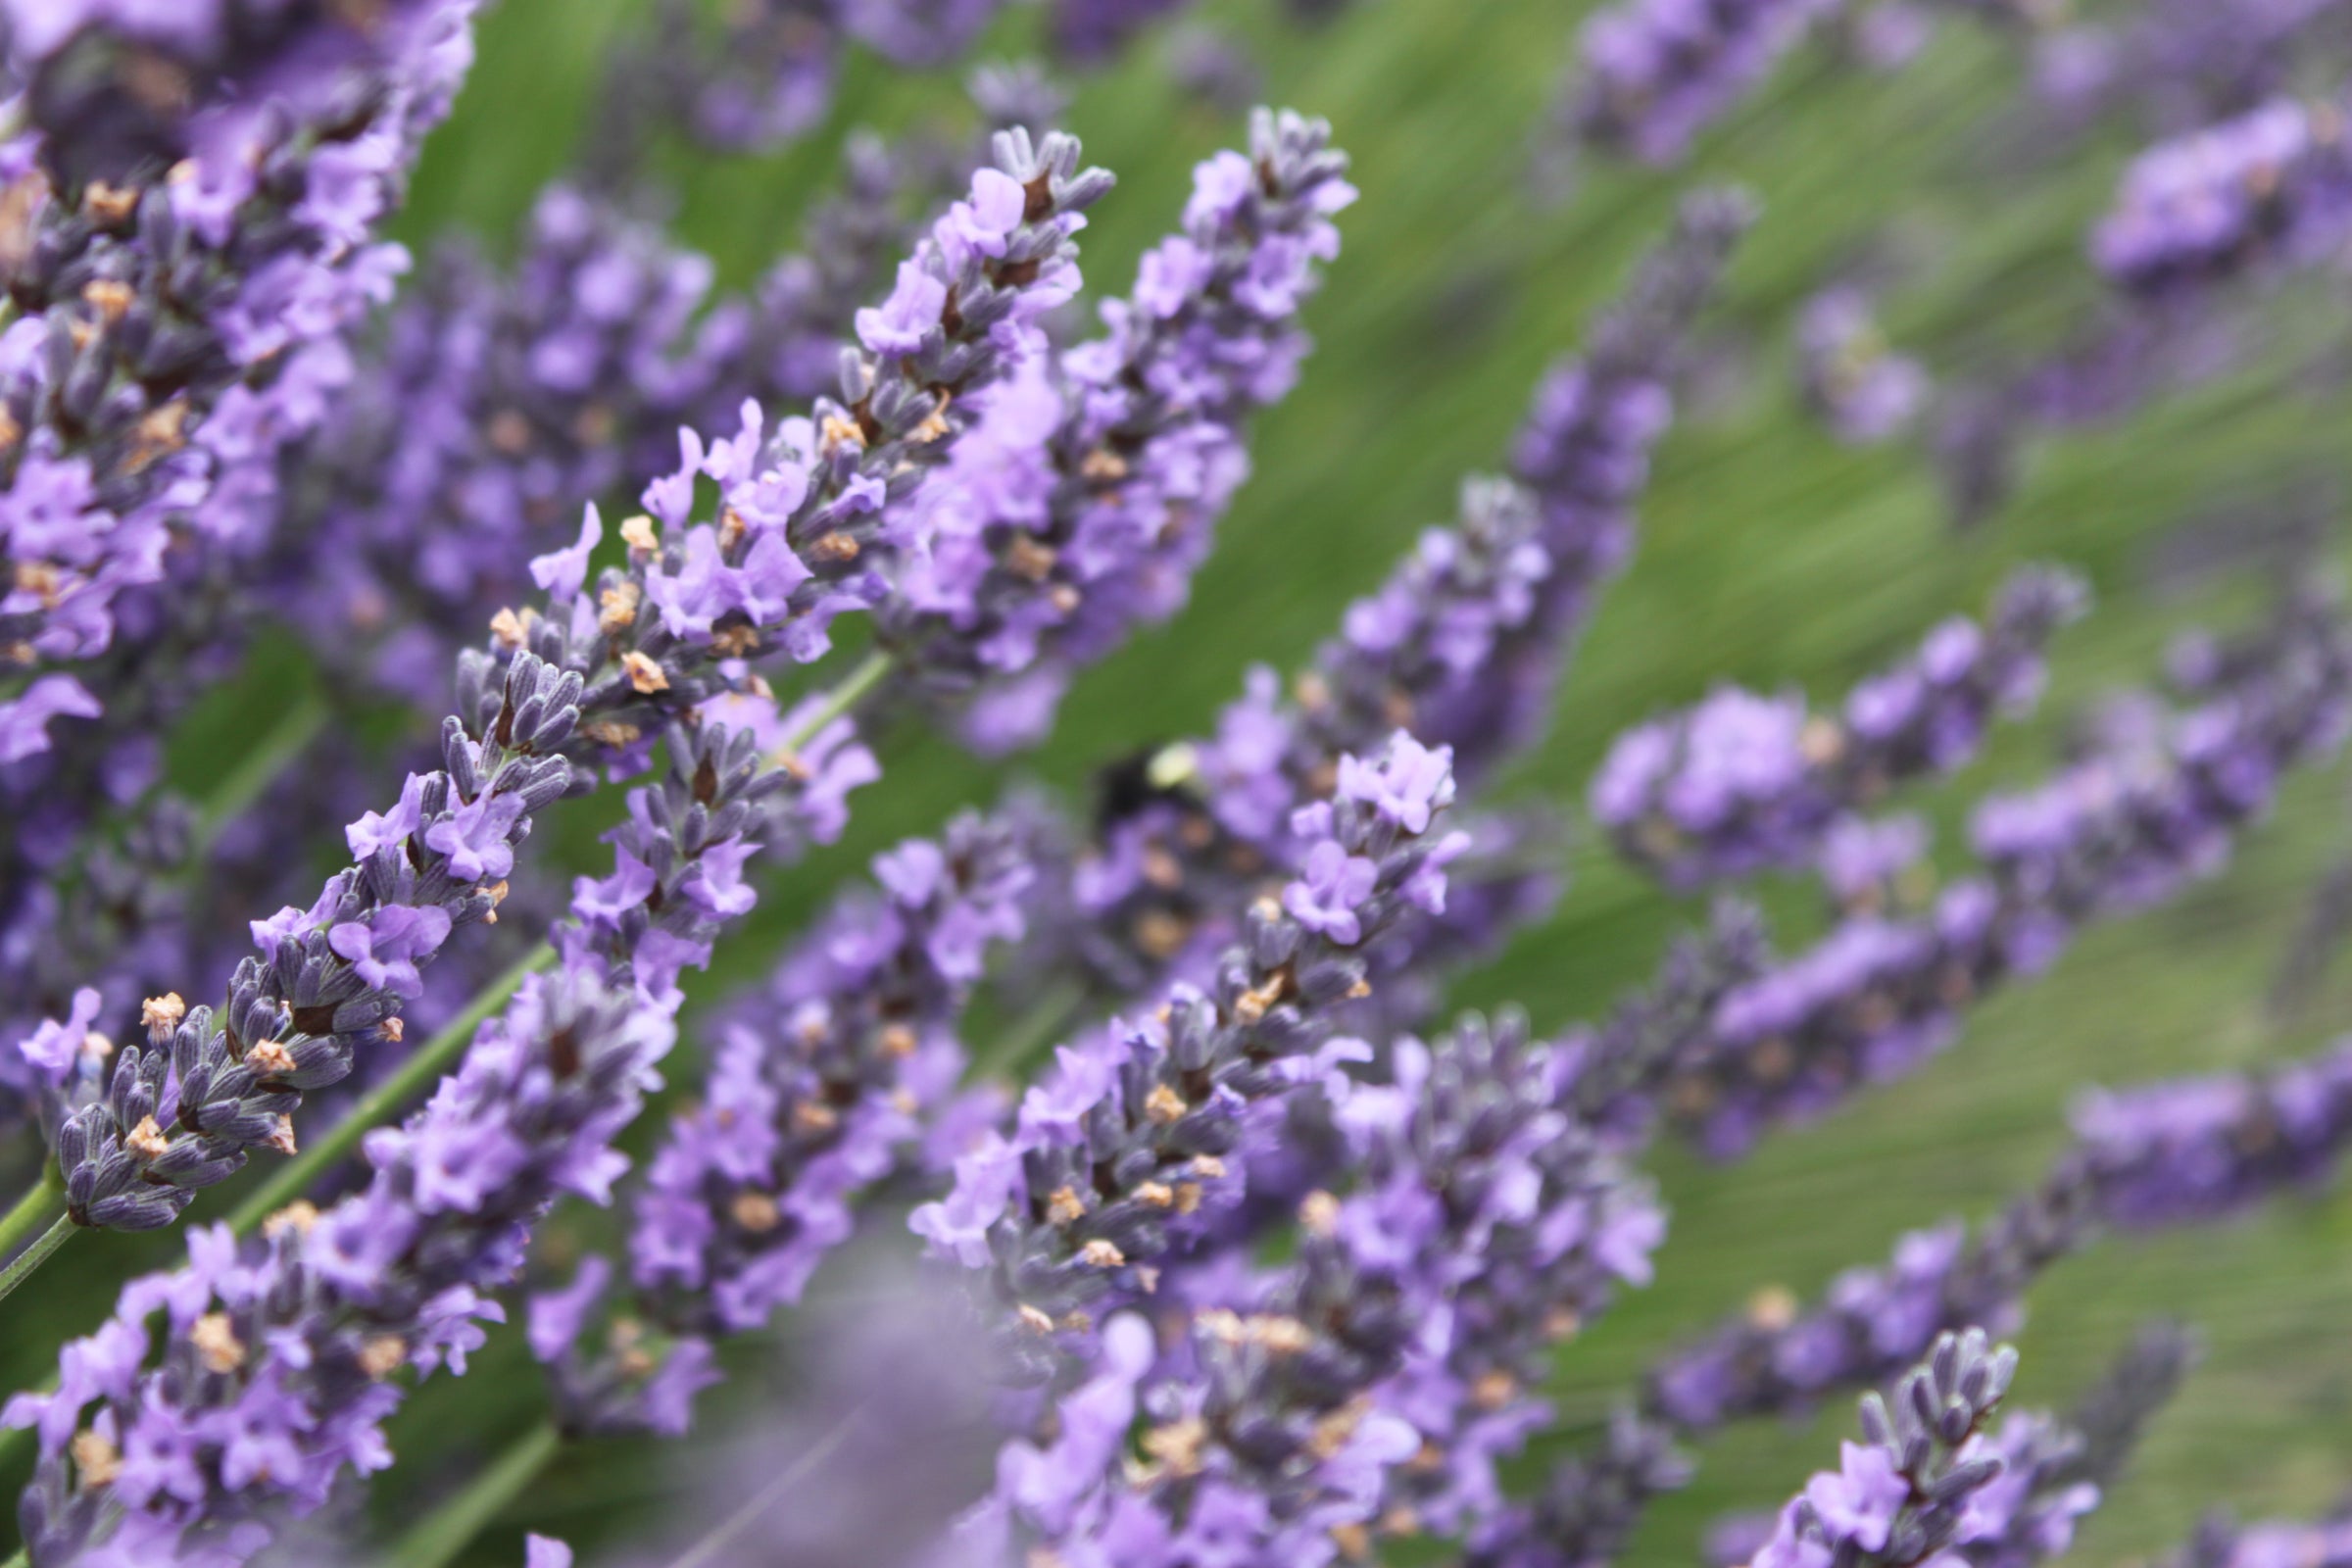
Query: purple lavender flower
{"points": [[2219, 1542], [819, 1085], [1859, 387], [1158, 1100], [1740, 782], [1657, 72], [499, 405], [1089, 492], [1582, 453], [2272, 187], [1474, 1225], [817, 493], [273, 1380], [1090, 32], [764, 76], [1921, 1481], [2127, 826], [2178, 1152], [173, 331]]}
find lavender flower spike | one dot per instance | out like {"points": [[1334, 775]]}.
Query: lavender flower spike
{"points": [[610, 668], [1091, 490], [272, 1377], [819, 1083], [138, 1137], [2270, 189], [1854, 382], [1920, 1480], [1582, 453], [193, 206], [1657, 72], [1119, 1153], [2178, 1152], [1740, 782]]}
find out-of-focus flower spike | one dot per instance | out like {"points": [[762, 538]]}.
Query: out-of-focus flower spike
{"points": [[1739, 782], [2178, 1152], [1654, 74], [2153, 807], [1854, 381], [185, 261], [2270, 189]]}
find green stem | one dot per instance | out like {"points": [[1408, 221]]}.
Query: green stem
{"points": [[258, 768], [842, 697], [377, 1106], [33, 1210], [446, 1532], [20, 1269]]}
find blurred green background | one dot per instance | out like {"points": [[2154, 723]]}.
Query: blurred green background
{"points": [[1768, 554]]}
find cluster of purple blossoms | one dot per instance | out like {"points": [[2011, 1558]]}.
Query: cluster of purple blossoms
{"points": [[818, 1085], [2170, 1153], [2272, 187], [1864, 391], [192, 204], [273, 1377], [1740, 782], [2182, 65], [1657, 72], [2157, 802], [1084, 499]]}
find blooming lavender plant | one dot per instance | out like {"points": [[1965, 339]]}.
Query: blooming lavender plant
{"points": [[2127, 825], [2270, 187], [1090, 492], [1740, 782], [193, 212], [273, 1378], [1266, 1264], [1657, 72]]}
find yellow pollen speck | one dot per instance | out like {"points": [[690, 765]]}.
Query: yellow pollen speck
{"points": [[298, 1217], [638, 534], [644, 674], [510, 627], [383, 1354], [109, 298], [270, 1056], [160, 1015], [96, 1459], [216, 1342], [1319, 1212], [147, 1140], [617, 604], [1164, 1106], [755, 1212]]}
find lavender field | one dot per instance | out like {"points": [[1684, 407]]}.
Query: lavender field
{"points": [[1652, 721]]}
